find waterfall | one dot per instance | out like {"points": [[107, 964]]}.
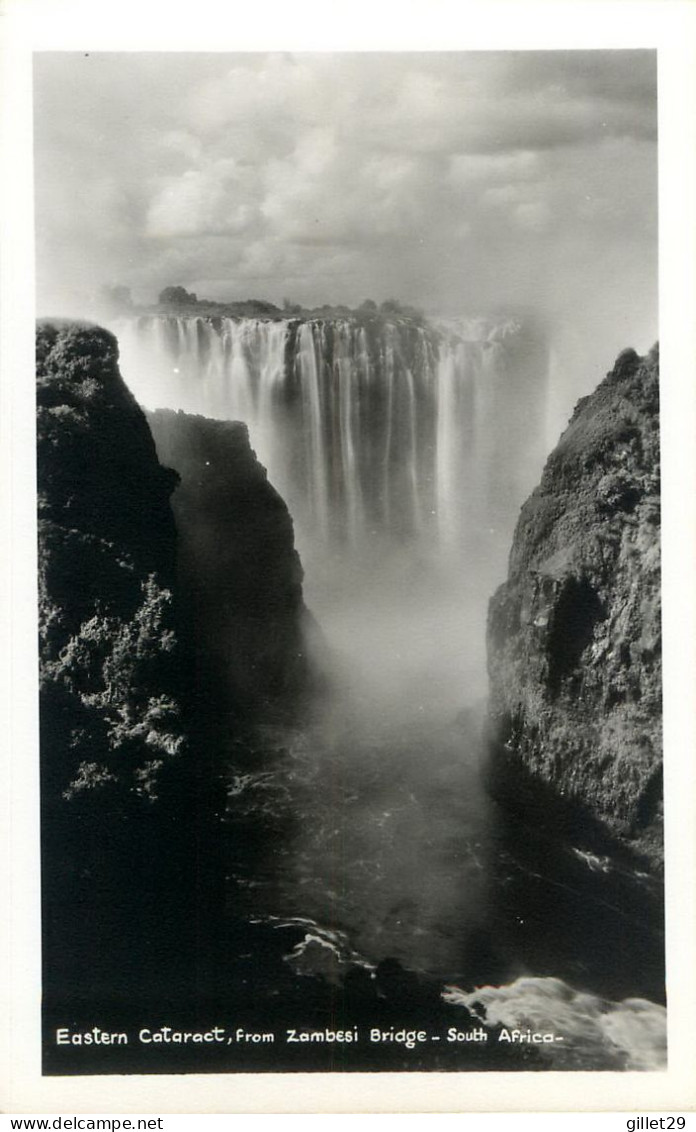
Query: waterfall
{"points": [[369, 428]]}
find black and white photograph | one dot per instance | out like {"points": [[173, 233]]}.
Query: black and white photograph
{"points": [[349, 562]]}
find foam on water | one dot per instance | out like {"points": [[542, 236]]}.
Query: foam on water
{"points": [[594, 1033]]}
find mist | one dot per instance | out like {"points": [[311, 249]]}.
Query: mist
{"points": [[509, 199], [403, 453]]}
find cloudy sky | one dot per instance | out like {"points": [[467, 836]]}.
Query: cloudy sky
{"points": [[460, 182]]}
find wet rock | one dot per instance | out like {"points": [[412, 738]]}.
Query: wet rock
{"points": [[574, 635], [238, 571]]}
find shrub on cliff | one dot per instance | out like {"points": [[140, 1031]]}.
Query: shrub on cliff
{"points": [[177, 297], [108, 667]]}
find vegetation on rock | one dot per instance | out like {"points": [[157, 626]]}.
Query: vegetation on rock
{"points": [[108, 668], [180, 302]]}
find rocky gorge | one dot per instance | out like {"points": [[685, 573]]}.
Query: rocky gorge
{"points": [[216, 840]]}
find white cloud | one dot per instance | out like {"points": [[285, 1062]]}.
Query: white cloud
{"points": [[467, 169], [430, 177], [212, 199], [532, 214]]}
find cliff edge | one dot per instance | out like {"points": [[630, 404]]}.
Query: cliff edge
{"points": [[108, 665], [574, 634], [134, 885], [239, 574], [115, 761]]}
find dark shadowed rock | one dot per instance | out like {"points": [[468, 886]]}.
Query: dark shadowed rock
{"points": [[238, 568], [574, 634], [108, 667], [114, 790]]}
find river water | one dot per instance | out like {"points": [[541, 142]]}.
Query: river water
{"points": [[389, 848]]}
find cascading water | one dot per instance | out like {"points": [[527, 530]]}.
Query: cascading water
{"points": [[403, 451], [368, 428]]}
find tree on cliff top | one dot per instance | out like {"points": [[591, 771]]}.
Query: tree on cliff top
{"points": [[394, 308], [176, 297]]}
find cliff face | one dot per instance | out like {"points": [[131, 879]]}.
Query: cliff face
{"points": [[238, 569], [115, 831], [131, 612], [108, 666], [574, 634]]}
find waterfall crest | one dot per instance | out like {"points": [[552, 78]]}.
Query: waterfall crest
{"points": [[370, 428]]}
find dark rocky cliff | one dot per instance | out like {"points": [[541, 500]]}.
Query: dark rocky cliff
{"points": [[106, 565], [574, 634], [157, 649], [114, 763], [238, 570]]}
